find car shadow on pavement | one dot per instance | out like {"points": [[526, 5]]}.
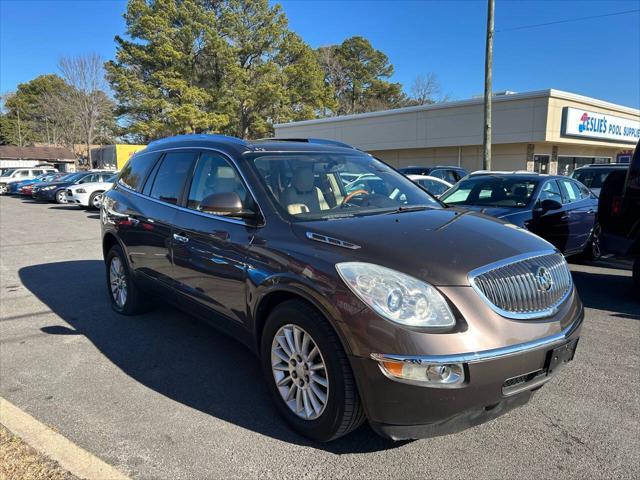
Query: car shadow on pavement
{"points": [[173, 354], [604, 291]]}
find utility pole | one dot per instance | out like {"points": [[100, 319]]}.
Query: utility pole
{"points": [[488, 67]]}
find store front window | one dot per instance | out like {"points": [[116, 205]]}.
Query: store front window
{"points": [[566, 165]]}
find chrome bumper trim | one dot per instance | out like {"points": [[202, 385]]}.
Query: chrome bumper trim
{"points": [[486, 355]]}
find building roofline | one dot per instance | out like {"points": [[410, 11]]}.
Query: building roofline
{"points": [[468, 102]]}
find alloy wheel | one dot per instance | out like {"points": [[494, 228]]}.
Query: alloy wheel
{"points": [[118, 282], [61, 197], [97, 201], [300, 372]]}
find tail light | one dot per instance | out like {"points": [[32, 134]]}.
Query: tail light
{"points": [[616, 206]]}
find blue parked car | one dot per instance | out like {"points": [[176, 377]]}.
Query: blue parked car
{"points": [[556, 208], [13, 187]]}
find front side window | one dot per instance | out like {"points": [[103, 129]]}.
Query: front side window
{"points": [[136, 170], [171, 176], [550, 191], [321, 186], [214, 174], [490, 191]]}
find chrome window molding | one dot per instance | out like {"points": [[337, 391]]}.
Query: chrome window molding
{"points": [[332, 241], [196, 212], [552, 310], [488, 355]]}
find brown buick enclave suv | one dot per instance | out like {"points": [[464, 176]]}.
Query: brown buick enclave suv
{"points": [[376, 303]]}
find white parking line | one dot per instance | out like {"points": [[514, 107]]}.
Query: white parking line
{"points": [[70, 456]]}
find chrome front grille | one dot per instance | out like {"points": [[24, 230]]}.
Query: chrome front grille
{"points": [[531, 286]]}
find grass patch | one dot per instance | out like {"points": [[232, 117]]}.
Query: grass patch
{"points": [[18, 461]]}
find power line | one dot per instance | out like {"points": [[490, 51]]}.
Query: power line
{"points": [[567, 21]]}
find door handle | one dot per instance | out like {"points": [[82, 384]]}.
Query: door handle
{"points": [[180, 238], [564, 217], [591, 212]]}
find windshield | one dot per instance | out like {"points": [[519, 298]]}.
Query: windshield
{"points": [[317, 186], [491, 191]]}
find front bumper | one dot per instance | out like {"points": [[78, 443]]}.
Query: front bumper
{"points": [[47, 195], [75, 198], [403, 411]]}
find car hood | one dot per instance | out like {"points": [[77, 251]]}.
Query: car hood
{"points": [[440, 246]]}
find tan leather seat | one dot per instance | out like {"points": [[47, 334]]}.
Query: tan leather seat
{"points": [[304, 192]]}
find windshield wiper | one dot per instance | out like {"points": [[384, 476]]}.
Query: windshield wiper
{"points": [[410, 208]]}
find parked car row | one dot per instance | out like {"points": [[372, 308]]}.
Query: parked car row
{"points": [[79, 188]]}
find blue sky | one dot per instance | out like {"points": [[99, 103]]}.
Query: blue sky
{"points": [[598, 57]]}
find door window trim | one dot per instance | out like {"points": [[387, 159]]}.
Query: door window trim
{"points": [[227, 157]]}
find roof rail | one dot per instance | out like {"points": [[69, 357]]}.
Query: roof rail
{"points": [[197, 136], [317, 141]]}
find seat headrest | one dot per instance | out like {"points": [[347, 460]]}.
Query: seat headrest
{"points": [[303, 180]]}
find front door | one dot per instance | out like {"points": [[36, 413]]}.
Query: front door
{"points": [[210, 252], [552, 225]]}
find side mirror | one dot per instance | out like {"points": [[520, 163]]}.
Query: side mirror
{"points": [[550, 204], [225, 204]]}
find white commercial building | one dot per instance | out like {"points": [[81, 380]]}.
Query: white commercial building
{"points": [[547, 131]]}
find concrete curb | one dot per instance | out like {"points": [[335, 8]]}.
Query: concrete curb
{"points": [[42, 438]]}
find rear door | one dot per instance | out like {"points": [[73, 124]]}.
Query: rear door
{"points": [[144, 225], [581, 210], [209, 252]]}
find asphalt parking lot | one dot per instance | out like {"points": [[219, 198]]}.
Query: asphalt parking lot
{"points": [[164, 396]]}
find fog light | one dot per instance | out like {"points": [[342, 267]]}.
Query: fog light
{"points": [[429, 375]]}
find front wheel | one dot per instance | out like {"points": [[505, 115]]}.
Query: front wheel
{"points": [[308, 373], [61, 197], [95, 200]]}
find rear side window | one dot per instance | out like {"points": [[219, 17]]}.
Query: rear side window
{"points": [[570, 191], [136, 170], [446, 175], [172, 174]]}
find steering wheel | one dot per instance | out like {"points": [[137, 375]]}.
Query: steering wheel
{"points": [[349, 196]]}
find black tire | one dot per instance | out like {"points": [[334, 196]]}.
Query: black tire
{"points": [[136, 302], [593, 251], [343, 412], [61, 197], [92, 199]]}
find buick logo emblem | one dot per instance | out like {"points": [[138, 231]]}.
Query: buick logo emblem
{"points": [[544, 279]]}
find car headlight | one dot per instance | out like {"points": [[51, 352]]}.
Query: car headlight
{"points": [[48, 188], [396, 296], [80, 190]]}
